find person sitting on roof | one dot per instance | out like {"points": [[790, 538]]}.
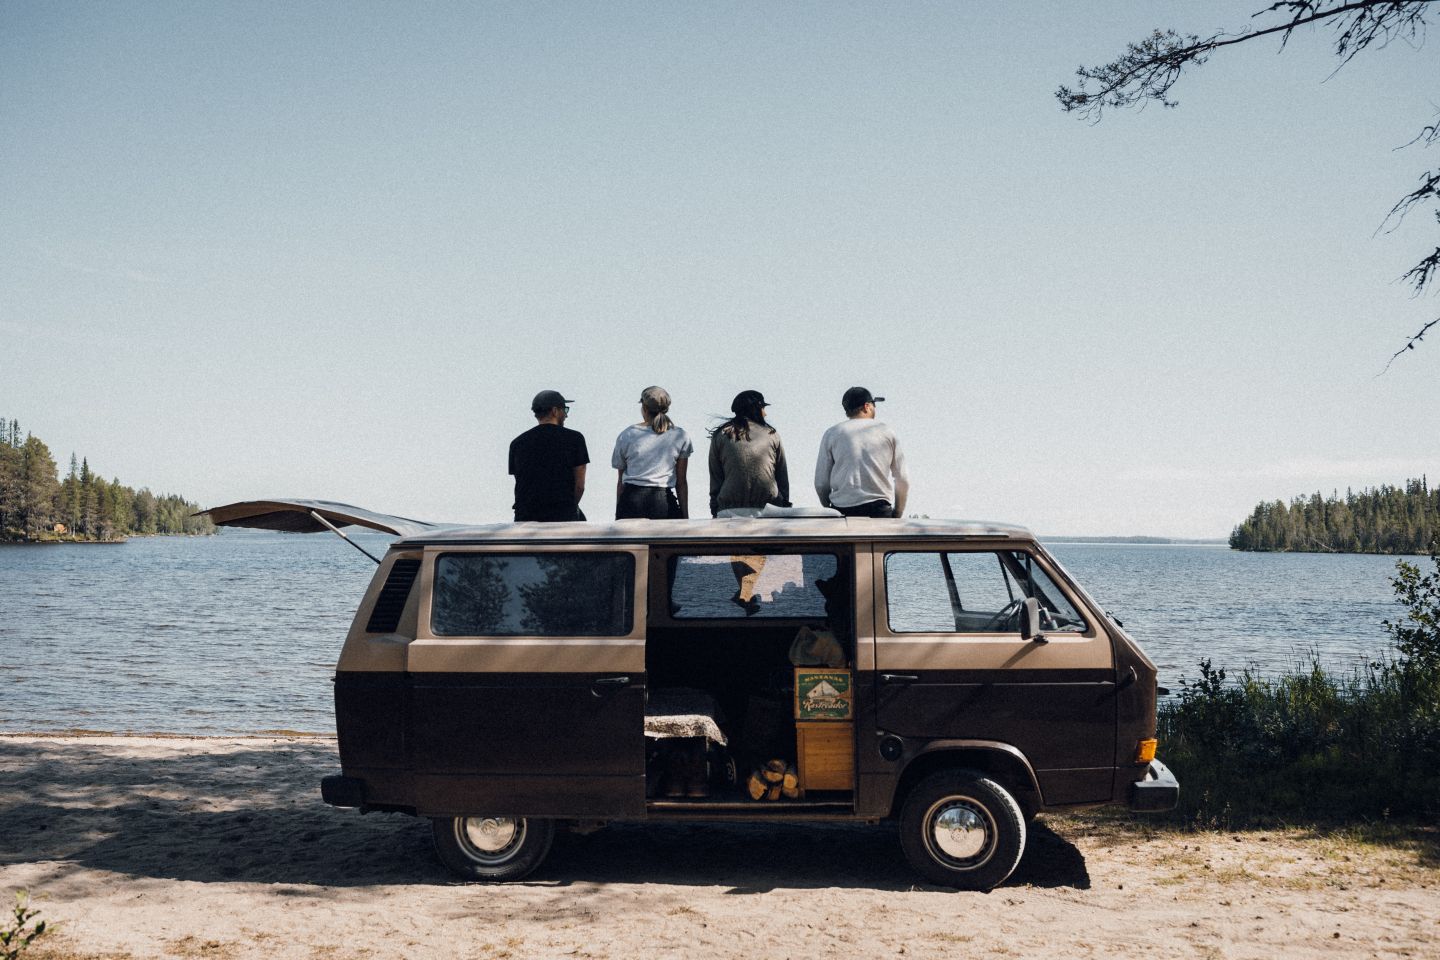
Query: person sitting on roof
{"points": [[860, 470]]}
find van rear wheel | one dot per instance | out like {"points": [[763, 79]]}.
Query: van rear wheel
{"points": [[961, 829], [492, 848]]}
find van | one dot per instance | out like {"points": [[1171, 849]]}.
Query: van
{"points": [[511, 680]]}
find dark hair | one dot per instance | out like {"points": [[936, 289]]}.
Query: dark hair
{"points": [[748, 407]]}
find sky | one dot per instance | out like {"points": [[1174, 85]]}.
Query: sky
{"points": [[331, 250]]}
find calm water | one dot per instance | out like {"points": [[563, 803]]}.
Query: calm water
{"points": [[239, 633]]}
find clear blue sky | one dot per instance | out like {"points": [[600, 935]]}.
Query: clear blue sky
{"points": [[332, 249]]}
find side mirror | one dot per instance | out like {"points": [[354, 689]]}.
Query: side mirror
{"points": [[1030, 621]]}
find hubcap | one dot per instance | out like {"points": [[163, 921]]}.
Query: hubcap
{"points": [[961, 834], [490, 839]]}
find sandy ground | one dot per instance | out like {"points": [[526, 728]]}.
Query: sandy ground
{"points": [[173, 847]]}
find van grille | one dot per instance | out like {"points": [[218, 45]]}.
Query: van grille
{"points": [[391, 602]]}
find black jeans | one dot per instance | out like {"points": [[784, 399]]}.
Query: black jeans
{"points": [[646, 503], [875, 508], [549, 514]]}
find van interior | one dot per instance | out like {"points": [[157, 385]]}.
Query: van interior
{"points": [[727, 633]]}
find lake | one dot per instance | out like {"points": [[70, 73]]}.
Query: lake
{"points": [[239, 633]]}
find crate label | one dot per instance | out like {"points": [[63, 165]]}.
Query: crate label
{"points": [[822, 694]]}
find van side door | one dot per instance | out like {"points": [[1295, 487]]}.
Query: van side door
{"points": [[528, 681], [951, 664]]}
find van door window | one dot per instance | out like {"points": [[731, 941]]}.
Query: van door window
{"points": [[711, 587], [973, 592], [533, 595]]}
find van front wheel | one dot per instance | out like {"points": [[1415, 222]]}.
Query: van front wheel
{"points": [[492, 848], [961, 829]]}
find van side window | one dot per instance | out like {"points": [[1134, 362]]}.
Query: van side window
{"points": [[757, 586], [976, 592], [533, 595]]}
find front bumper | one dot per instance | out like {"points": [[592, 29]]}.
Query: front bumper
{"points": [[1157, 791]]}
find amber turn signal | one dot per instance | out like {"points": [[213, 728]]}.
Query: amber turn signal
{"points": [[1145, 750]]}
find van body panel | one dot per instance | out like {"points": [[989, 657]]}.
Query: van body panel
{"points": [[1076, 786], [992, 653], [1054, 701], [382, 652], [595, 655], [540, 725], [448, 795], [371, 710], [548, 743]]}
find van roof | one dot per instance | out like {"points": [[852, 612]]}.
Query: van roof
{"points": [[314, 516], [729, 529]]}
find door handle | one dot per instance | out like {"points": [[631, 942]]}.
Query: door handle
{"points": [[604, 686], [899, 677], [1130, 677]]}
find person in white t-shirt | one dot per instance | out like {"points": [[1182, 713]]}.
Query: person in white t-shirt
{"points": [[860, 470], [651, 459]]}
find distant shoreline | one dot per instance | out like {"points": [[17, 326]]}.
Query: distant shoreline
{"points": [[64, 541], [1161, 541], [56, 543]]}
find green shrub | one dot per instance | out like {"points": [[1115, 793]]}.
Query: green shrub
{"points": [[21, 928], [1417, 634]]}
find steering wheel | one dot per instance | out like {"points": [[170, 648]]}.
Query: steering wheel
{"points": [[1001, 621], [1053, 620]]}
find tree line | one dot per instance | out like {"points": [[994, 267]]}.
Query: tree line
{"points": [[37, 504], [1383, 520]]}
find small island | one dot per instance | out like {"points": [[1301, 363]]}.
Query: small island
{"points": [[36, 506], [1390, 520]]}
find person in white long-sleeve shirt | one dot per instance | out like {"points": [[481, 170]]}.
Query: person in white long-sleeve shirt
{"points": [[860, 470]]}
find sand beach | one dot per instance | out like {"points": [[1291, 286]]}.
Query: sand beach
{"points": [[220, 847]]}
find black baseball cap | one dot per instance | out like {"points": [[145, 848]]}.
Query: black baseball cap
{"points": [[546, 399], [745, 397], [857, 397]]}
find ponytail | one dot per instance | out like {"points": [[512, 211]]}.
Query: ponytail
{"points": [[657, 402]]}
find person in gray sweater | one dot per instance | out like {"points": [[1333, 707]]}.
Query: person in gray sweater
{"points": [[747, 459]]}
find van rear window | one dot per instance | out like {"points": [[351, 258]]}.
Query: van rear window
{"points": [[533, 595], [710, 587]]}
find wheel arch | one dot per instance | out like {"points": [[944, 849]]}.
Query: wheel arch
{"points": [[1001, 762]]}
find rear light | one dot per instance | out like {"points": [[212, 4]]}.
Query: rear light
{"points": [[1145, 750]]}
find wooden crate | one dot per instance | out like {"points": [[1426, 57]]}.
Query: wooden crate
{"points": [[826, 755]]}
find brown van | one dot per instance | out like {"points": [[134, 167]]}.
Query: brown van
{"points": [[511, 679]]}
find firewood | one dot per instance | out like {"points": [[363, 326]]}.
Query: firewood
{"points": [[791, 780], [773, 771], [792, 793], [774, 792], [755, 786]]}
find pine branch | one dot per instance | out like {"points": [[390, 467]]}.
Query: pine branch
{"points": [[1409, 345], [1148, 69]]}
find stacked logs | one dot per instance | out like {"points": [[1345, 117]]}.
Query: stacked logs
{"points": [[774, 779]]}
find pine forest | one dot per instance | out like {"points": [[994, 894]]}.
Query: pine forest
{"points": [[37, 505], [1395, 520]]}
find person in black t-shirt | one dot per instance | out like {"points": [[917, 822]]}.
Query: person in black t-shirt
{"points": [[548, 464]]}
